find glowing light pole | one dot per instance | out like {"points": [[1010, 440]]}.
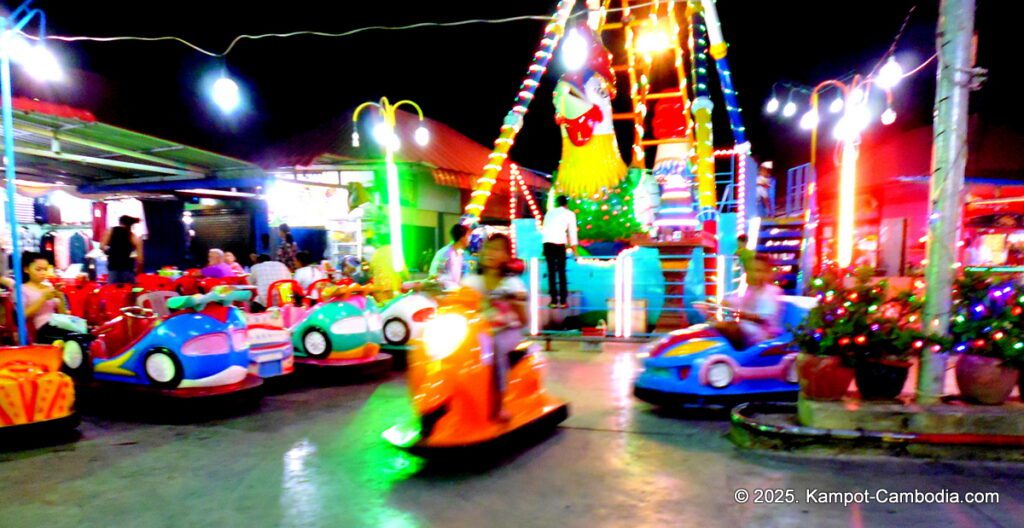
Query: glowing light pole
{"points": [[855, 118], [384, 134], [40, 63]]}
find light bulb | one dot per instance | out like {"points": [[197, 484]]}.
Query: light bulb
{"points": [[856, 96], [852, 123], [889, 75], [888, 116], [653, 40], [40, 63], [836, 106], [772, 106], [789, 110], [574, 51], [809, 120], [381, 133], [355, 140], [226, 94], [422, 136]]}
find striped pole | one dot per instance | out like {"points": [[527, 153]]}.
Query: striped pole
{"points": [[719, 49], [514, 120]]}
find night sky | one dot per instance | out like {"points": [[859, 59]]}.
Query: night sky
{"points": [[467, 76]]}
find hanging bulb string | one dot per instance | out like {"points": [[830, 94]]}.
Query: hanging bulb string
{"points": [[895, 41], [240, 38], [801, 88]]}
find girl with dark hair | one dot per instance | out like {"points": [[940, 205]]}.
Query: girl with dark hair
{"points": [[504, 306], [41, 299]]}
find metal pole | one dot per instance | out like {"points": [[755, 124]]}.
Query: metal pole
{"points": [[12, 218], [949, 161]]}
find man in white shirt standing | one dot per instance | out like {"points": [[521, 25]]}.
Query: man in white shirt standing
{"points": [[446, 267], [559, 232]]}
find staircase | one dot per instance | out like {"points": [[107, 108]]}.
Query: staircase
{"points": [[781, 239]]}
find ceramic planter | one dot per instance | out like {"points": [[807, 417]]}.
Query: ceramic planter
{"points": [[823, 378], [985, 380], [881, 379]]}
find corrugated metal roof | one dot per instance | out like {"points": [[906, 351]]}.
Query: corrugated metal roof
{"points": [[60, 142]]}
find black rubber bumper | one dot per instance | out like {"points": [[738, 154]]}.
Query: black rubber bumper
{"points": [[725, 401]]}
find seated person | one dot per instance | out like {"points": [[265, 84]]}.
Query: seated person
{"points": [[41, 299], [264, 273], [353, 269], [758, 310], [217, 268], [306, 271], [504, 306], [230, 259], [446, 266]]}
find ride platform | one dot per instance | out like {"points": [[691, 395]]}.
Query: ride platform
{"points": [[949, 430]]}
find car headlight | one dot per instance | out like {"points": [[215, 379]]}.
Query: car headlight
{"points": [[444, 334], [350, 325], [720, 375]]}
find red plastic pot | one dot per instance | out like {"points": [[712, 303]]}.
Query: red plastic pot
{"points": [[985, 380], [823, 378]]}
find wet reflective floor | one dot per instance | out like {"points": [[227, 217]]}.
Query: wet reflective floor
{"points": [[312, 456]]}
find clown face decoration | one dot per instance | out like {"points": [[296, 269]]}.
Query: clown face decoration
{"points": [[591, 161]]}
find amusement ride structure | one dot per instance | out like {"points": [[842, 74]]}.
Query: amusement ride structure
{"points": [[677, 212]]}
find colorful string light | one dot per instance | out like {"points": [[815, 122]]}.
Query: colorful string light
{"points": [[514, 120]]}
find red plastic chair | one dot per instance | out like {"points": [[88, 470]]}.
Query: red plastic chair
{"points": [[205, 285], [8, 326], [186, 285], [284, 292], [153, 282], [156, 301], [78, 297], [236, 281], [106, 303]]}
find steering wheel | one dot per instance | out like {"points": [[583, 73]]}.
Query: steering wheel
{"points": [[137, 312]]}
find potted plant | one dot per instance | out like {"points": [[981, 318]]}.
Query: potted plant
{"points": [[988, 331], [885, 353], [858, 323], [824, 370]]}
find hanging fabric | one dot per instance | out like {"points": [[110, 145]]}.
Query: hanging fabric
{"points": [[78, 246]]}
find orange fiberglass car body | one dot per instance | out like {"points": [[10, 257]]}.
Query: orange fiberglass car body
{"points": [[32, 388], [450, 377]]}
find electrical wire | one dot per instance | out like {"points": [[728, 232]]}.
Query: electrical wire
{"points": [[895, 41], [236, 40], [240, 38], [801, 88]]}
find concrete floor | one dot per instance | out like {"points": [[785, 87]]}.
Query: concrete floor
{"points": [[312, 456]]}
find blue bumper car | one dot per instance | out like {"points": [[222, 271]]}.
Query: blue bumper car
{"points": [[698, 367]]}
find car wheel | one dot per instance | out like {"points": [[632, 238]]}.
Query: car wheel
{"points": [[316, 344], [163, 369], [76, 360], [396, 332]]}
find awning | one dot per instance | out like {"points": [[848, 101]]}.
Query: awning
{"points": [[56, 143]]}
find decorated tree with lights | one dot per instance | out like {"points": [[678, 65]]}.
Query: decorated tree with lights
{"points": [[858, 320], [988, 318], [608, 214]]}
